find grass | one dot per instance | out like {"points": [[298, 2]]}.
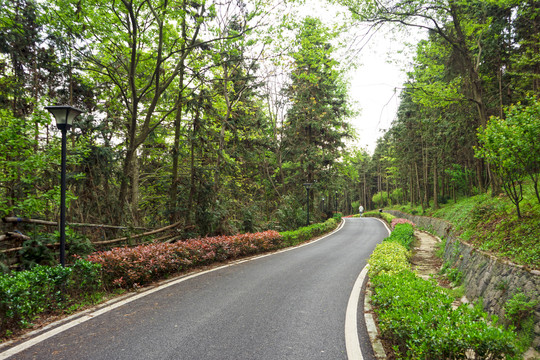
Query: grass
{"points": [[491, 224]]}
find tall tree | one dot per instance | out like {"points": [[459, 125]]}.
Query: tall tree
{"points": [[315, 127]]}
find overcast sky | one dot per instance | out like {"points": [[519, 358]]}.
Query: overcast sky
{"points": [[376, 85]]}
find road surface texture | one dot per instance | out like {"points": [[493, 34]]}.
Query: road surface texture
{"points": [[289, 305]]}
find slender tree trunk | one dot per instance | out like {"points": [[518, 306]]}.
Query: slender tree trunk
{"points": [[173, 191], [127, 170], [420, 199], [425, 173], [193, 177], [435, 184], [135, 192], [411, 188]]}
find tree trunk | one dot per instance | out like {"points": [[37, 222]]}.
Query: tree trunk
{"points": [[135, 191], [173, 191], [418, 186], [124, 184], [435, 184]]}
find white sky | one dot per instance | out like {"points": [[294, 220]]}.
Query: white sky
{"points": [[376, 85]]}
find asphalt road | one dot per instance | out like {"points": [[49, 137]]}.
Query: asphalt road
{"points": [[289, 305]]}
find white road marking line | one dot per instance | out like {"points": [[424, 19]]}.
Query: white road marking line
{"points": [[352, 343]]}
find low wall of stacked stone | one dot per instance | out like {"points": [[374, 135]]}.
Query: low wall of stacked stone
{"points": [[485, 277]]}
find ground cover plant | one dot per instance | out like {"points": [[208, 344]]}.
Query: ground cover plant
{"points": [[416, 317], [490, 224]]}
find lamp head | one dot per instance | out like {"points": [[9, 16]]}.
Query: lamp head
{"points": [[64, 115]]}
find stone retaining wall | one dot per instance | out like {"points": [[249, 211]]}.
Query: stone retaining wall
{"points": [[485, 276]]}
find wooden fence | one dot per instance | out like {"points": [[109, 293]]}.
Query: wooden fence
{"points": [[11, 241]]}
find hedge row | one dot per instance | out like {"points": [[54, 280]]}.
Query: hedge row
{"points": [[403, 234], [381, 215], [140, 265], [295, 237], [416, 315], [25, 294]]}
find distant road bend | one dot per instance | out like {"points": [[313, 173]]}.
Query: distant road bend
{"points": [[289, 305]]}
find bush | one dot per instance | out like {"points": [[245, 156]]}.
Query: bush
{"points": [[381, 199], [417, 317], [519, 308], [35, 251], [27, 293], [402, 234], [388, 257], [396, 221], [295, 237], [133, 267]]}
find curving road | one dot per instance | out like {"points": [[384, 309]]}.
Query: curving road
{"points": [[289, 305]]}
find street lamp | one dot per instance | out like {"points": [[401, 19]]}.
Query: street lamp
{"points": [[335, 198], [64, 116], [307, 186], [323, 210]]}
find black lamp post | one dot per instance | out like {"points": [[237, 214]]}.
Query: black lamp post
{"points": [[64, 116], [307, 186], [323, 209], [335, 197]]}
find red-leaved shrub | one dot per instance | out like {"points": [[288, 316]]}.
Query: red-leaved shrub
{"points": [[132, 267], [396, 221]]}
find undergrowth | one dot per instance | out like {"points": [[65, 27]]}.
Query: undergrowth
{"points": [[491, 224]]}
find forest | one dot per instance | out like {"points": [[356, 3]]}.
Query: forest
{"points": [[211, 115]]}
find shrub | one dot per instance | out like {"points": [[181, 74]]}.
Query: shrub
{"points": [[519, 308], [295, 237], [402, 234], [337, 216], [416, 316], [381, 215], [388, 257], [387, 217], [27, 293], [133, 267], [35, 251], [381, 199], [396, 221]]}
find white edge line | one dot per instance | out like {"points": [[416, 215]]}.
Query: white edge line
{"points": [[36, 340], [352, 343]]}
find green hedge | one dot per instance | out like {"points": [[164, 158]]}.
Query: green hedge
{"points": [[402, 234], [381, 215], [416, 315], [25, 294], [388, 257], [295, 237]]}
